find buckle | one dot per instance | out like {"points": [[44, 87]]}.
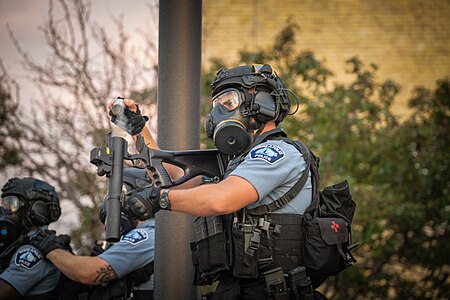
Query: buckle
{"points": [[252, 239], [263, 224], [255, 240]]}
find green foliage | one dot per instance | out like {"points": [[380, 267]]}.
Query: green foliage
{"points": [[146, 96], [399, 171]]}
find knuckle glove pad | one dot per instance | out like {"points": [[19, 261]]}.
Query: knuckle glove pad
{"points": [[143, 203], [46, 241], [97, 250], [64, 241]]}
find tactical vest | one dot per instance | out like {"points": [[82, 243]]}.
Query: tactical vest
{"points": [[250, 242]]}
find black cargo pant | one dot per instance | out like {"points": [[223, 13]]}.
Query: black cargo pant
{"points": [[232, 288]]}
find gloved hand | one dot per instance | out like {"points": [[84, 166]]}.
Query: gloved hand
{"points": [[142, 203], [99, 248], [64, 241], [129, 121], [47, 240]]}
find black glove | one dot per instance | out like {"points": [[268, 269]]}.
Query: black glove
{"points": [[98, 248], [142, 203], [47, 240], [131, 122], [64, 241]]}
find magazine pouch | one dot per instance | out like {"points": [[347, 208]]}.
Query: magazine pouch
{"points": [[209, 251]]}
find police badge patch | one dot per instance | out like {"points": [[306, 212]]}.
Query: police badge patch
{"points": [[28, 257], [268, 152], [135, 236]]}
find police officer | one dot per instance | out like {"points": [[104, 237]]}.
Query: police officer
{"points": [[119, 271], [27, 204], [249, 235]]}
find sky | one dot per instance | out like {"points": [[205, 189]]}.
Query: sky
{"points": [[25, 16]]}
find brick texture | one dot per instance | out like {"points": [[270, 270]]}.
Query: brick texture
{"points": [[408, 40]]}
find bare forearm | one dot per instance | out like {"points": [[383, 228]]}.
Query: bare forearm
{"points": [[148, 138], [196, 201], [214, 199], [90, 270]]}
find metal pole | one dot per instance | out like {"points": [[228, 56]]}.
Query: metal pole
{"points": [[180, 25]]}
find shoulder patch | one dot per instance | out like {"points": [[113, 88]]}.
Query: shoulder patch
{"points": [[135, 236], [268, 152], [28, 257]]}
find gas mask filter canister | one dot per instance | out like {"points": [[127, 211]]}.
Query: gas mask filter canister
{"points": [[231, 137], [225, 125]]}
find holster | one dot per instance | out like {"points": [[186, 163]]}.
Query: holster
{"points": [[246, 244], [275, 284]]}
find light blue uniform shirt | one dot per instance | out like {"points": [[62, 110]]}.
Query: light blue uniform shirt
{"points": [[273, 168], [133, 251], [29, 273]]}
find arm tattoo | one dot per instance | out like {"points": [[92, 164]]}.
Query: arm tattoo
{"points": [[105, 274]]}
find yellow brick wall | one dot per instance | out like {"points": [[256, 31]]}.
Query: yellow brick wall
{"points": [[408, 39]]}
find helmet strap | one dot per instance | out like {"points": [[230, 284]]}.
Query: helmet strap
{"points": [[260, 129]]}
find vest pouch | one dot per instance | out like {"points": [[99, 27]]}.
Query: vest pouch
{"points": [[246, 252], [218, 254], [324, 239], [218, 258], [336, 201], [201, 244], [199, 279], [209, 251]]}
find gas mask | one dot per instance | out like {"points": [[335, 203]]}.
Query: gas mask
{"points": [[244, 99], [26, 203], [11, 214], [225, 125]]}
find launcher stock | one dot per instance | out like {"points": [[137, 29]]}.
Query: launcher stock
{"points": [[109, 161]]}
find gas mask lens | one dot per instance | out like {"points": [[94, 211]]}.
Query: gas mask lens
{"points": [[230, 99], [10, 205]]}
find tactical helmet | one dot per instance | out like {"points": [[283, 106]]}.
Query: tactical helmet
{"points": [[39, 200], [274, 104]]}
